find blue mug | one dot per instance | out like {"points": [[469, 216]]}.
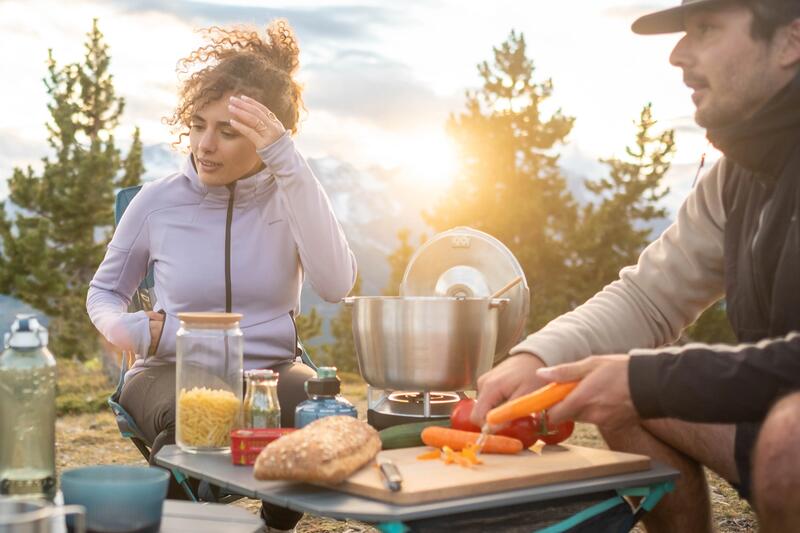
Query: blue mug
{"points": [[117, 498]]}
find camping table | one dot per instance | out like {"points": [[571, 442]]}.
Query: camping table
{"points": [[519, 505], [180, 517]]}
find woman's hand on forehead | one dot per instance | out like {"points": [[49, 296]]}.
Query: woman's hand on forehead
{"points": [[255, 121]]}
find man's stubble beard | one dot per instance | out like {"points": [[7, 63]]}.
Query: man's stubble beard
{"points": [[740, 106]]}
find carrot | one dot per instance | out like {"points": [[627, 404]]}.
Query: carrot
{"points": [[536, 401], [438, 437]]}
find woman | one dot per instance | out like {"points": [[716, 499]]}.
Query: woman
{"points": [[236, 230]]}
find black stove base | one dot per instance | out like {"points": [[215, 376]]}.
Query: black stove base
{"points": [[381, 421]]}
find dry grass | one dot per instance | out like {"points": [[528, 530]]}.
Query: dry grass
{"points": [[87, 439]]}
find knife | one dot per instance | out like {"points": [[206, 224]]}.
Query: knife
{"points": [[391, 475]]}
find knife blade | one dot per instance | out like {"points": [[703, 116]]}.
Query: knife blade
{"points": [[391, 475]]}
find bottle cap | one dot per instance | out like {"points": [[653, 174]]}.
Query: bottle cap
{"points": [[325, 384], [26, 333], [324, 372], [261, 374]]}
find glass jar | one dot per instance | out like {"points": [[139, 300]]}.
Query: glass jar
{"points": [[27, 412], [323, 399], [208, 385], [261, 406]]}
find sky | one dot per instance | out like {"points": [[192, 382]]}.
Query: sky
{"points": [[380, 77]]}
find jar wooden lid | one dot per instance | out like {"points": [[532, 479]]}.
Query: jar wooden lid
{"points": [[210, 319]]}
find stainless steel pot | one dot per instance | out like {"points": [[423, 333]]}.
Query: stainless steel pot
{"points": [[424, 343], [34, 516]]}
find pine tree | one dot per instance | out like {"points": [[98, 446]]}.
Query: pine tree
{"points": [[53, 244], [133, 169], [616, 226], [341, 353], [713, 326], [510, 184], [398, 261], [309, 326]]}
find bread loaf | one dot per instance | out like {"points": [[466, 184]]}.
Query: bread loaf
{"points": [[326, 451]]}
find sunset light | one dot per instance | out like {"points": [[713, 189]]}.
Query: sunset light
{"points": [[435, 163], [378, 92]]}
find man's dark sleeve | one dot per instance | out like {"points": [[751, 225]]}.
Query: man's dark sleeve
{"points": [[715, 383]]}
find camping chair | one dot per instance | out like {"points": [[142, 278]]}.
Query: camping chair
{"points": [[144, 299]]}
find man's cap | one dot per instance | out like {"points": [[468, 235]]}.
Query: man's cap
{"points": [[669, 20]]}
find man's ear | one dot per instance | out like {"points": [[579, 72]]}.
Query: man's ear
{"points": [[790, 48]]}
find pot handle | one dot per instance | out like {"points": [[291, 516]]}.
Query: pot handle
{"points": [[498, 303]]}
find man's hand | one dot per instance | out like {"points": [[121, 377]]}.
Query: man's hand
{"points": [[510, 379], [156, 328], [602, 397]]}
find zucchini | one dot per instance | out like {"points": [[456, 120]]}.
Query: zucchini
{"points": [[407, 435]]}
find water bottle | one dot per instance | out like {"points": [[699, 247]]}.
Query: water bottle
{"points": [[27, 412], [323, 398]]}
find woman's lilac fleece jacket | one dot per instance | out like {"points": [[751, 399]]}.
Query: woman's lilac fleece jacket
{"points": [[282, 228]]}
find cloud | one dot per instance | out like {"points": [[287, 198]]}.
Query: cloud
{"points": [[684, 124], [151, 103], [18, 152], [376, 89], [19, 148], [633, 11], [321, 22]]}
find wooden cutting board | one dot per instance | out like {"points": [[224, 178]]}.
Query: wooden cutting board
{"points": [[427, 481]]}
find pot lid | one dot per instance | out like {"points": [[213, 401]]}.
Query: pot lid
{"points": [[466, 262]]}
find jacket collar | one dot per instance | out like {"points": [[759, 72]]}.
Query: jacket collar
{"points": [[248, 190], [764, 142]]}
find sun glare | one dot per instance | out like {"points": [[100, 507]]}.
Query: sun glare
{"points": [[434, 160]]}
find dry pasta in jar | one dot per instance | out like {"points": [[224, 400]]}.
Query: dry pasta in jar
{"points": [[206, 417]]}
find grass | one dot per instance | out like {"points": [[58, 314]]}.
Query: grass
{"points": [[82, 387]]}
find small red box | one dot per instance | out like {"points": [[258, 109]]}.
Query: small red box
{"points": [[246, 444]]}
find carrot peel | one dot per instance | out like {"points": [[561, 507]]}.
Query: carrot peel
{"points": [[427, 456]]}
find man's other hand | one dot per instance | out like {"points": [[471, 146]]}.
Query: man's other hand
{"points": [[603, 395]]}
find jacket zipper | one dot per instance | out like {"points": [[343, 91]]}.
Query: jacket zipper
{"points": [[228, 223], [297, 350]]}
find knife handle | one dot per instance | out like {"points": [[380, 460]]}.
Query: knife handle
{"points": [[536, 401]]}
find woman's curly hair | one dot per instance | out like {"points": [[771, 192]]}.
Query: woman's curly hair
{"points": [[239, 60]]}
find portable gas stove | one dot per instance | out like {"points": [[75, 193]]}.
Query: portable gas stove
{"points": [[389, 408]]}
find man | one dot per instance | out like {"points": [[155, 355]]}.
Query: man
{"points": [[730, 408]]}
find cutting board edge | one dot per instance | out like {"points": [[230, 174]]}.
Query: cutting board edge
{"points": [[400, 498]]}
